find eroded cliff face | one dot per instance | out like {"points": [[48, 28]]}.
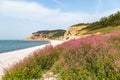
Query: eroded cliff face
{"points": [[75, 31], [47, 34]]}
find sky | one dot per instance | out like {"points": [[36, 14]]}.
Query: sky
{"points": [[20, 18]]}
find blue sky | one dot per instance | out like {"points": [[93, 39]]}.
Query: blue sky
{"points": [[20, 18]]}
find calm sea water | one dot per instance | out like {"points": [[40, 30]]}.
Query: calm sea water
{"points": [[11, 45]]}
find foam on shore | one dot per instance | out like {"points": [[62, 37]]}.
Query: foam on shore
{"points": [[8, 59]]}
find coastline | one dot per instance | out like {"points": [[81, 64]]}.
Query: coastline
{"points": [[8, 59]]}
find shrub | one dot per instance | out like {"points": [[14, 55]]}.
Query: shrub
{"points": [[91, 58], [34, 66], [96, 57]]}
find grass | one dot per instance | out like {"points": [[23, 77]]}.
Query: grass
{"points": [[104, 25], [103, 30], [91, 58], [95, 57], [34, 66]]}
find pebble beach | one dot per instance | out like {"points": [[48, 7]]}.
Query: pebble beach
{"points": [[8, 59]]}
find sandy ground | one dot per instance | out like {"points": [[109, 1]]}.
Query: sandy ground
{"points": [[10, 58]]}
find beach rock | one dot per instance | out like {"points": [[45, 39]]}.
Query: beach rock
{"points": [[49, 76]]}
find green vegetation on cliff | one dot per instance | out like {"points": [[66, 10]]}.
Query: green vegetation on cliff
{"points": [[112, 20], [105, 24], [80, 24], [47, 34]]}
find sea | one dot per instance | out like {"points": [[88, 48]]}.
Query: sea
{"points": [[12, 45]]}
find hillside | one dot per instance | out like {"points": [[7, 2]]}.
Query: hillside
{"points": [[112, 20], [95, 57], [103, 26], [47, 34]]}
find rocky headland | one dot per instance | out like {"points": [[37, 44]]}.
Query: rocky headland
{"points": [[47, 35]]}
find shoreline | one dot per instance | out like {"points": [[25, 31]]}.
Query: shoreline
{"points": [[39, 42], [7, 59]]}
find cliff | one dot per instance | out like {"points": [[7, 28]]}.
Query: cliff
{"points": [[47, 34], [103, 26], [75, 31]]}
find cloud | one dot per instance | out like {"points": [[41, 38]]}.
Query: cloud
{"points": [[98, 6], [37, 12], [24, 9], [57, 1], [21, 18], [42, 15]]}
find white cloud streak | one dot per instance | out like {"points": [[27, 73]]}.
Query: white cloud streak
{"points": [[23, 18], [98, 6], [57, 2], [24, 9], [38, 13]]}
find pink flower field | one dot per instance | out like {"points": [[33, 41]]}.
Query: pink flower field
{"points": [[95, 57]]}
